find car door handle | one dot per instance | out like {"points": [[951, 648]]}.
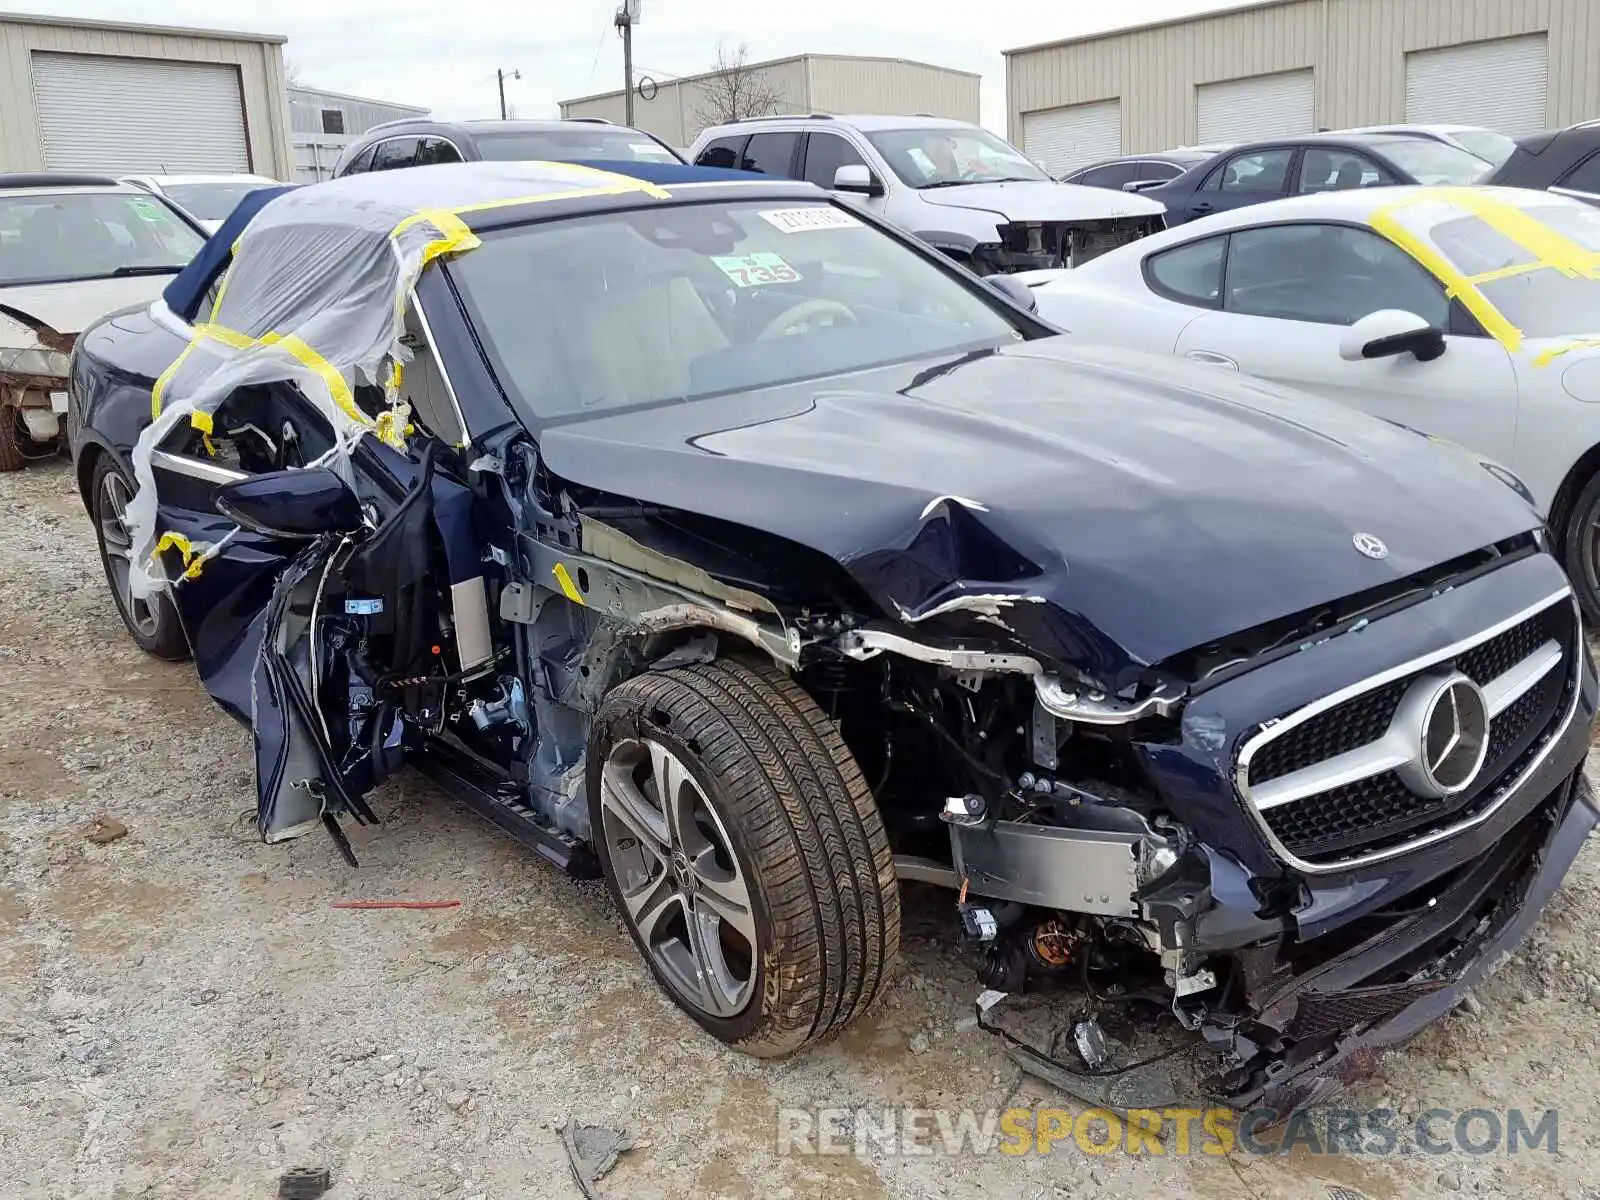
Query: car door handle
{"points": [[1202, 207], [1212, 359]]}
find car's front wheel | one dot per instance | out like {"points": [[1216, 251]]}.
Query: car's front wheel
{"points": [[152, 621], [745, 852]]}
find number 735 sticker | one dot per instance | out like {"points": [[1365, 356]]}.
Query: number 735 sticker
{"points": [[753, 270]]}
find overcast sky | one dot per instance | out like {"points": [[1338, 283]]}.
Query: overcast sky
{"points": [[443, 54]]}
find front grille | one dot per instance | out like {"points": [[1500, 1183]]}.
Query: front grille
{"points": [[1380, 812], [1355, 1008]]}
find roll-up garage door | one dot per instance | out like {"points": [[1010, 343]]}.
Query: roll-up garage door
{"points": [[1263, 106], [1064, 138], [1501, 84], [139, 114]]}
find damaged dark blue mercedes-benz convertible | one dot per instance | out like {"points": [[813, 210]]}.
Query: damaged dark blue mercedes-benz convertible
{"points": [[710, 536]]}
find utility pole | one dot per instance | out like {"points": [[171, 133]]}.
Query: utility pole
{"points": [[500, 78], [627, 17]]}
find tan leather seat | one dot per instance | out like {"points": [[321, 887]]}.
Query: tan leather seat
{"points": [[635, 340]]}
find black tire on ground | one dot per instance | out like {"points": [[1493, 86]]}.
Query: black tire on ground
{"points": [[804, 829], [1580, 549], [160, 633], [11, 434]]}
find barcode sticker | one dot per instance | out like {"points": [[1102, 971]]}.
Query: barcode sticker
{"points": [[802, 220]]}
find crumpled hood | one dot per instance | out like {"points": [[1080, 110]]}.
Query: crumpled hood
{"points": [[1132, 505], [1042, 200], [70, 308]]}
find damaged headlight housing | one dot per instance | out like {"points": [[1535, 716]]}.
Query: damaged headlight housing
{"points": [[34, 360]]}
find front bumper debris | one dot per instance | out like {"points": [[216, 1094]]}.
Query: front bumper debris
{"points": [[1299, 1040]]}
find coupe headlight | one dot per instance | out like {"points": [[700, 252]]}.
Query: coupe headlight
{"points": [[35, 361]]}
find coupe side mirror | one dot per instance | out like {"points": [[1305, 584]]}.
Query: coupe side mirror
{"points": [[856, 178], [1014, 290], [301, 504], [1141, 185], [1388, 332]]}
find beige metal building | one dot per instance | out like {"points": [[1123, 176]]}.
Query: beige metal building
{"points": [[679, 109], [1295, 66], [106, 96]]}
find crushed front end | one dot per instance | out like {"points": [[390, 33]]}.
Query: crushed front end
{"points": [[1293, 852], [1047, 245]]}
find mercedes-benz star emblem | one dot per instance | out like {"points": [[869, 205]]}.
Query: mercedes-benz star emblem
{"points": [[1371, 546], [1449, 719]]}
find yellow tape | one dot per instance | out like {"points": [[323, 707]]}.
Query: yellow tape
{"points": [[203, 422], [568, 588], [172, 540], [1456, 284], [1555, 352], [1549, 246]]}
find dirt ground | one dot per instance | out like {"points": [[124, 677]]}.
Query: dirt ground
{"points": [[182, 1013]]}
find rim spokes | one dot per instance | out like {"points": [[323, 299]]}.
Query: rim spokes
{"points": [[678, 877]]}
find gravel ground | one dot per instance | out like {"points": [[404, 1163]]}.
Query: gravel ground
{"points": [[183, 1014]]}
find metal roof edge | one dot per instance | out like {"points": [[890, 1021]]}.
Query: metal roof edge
{"points": [[223, 35]]}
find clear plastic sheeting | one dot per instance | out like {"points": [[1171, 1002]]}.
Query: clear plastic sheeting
{"points": [[316, 297]]}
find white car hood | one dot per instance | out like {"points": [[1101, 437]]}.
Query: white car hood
{"points": [[1043, 200], [70, 308]]}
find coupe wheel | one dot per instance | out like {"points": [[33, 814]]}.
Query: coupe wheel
{"points": [[152, 621], [744, 851]]}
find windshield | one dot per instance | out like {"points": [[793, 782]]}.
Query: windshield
{"points": [[680, 302], [57, 237], [1541, 301], [941, 156], [592, 143], [1434, 162], [1494, 148], [210, 201]]}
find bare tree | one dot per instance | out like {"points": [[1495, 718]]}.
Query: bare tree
{"points": [[734, 91], [291, 73]]}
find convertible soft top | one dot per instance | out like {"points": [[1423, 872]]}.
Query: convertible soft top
{"points": [[316, 292]]}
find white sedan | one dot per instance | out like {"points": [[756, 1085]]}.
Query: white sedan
{"points": [[1472, 314], [207, 198]]}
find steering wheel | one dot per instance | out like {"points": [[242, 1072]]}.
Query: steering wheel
{"points": [[798, 318]]}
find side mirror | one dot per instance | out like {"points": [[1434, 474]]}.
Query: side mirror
{"points": [[1014, 290], [856, 178], [301, 503], [1141, 185], [1388, 332]]}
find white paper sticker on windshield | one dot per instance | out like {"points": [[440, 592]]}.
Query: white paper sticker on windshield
{"points": [[799, 220], [753, 270]]}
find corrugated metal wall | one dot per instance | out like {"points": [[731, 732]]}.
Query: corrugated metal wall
{"points": [[360, 113], [811, 83], [856, 85], [1357, 48], [315, 152], [260, 63], [681, 108]]}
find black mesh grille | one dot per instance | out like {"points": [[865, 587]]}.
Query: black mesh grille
{"points": [[1337, 1012], [1381, 812], [1343, 727]]}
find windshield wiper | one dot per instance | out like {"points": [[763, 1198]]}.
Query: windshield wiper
{"points": [[128, 272], [939, 183]]}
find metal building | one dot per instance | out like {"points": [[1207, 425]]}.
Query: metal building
{"points": [[678, 109], [1294, 66], [323, 123], [109, 96]]}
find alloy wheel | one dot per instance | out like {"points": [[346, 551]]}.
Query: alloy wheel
{"points": [[118, 541], [679, 877]]}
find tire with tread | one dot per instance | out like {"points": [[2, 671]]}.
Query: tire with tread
{"points": [[806, 830], [168, 642], [11, 456], [1580, 549]]}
